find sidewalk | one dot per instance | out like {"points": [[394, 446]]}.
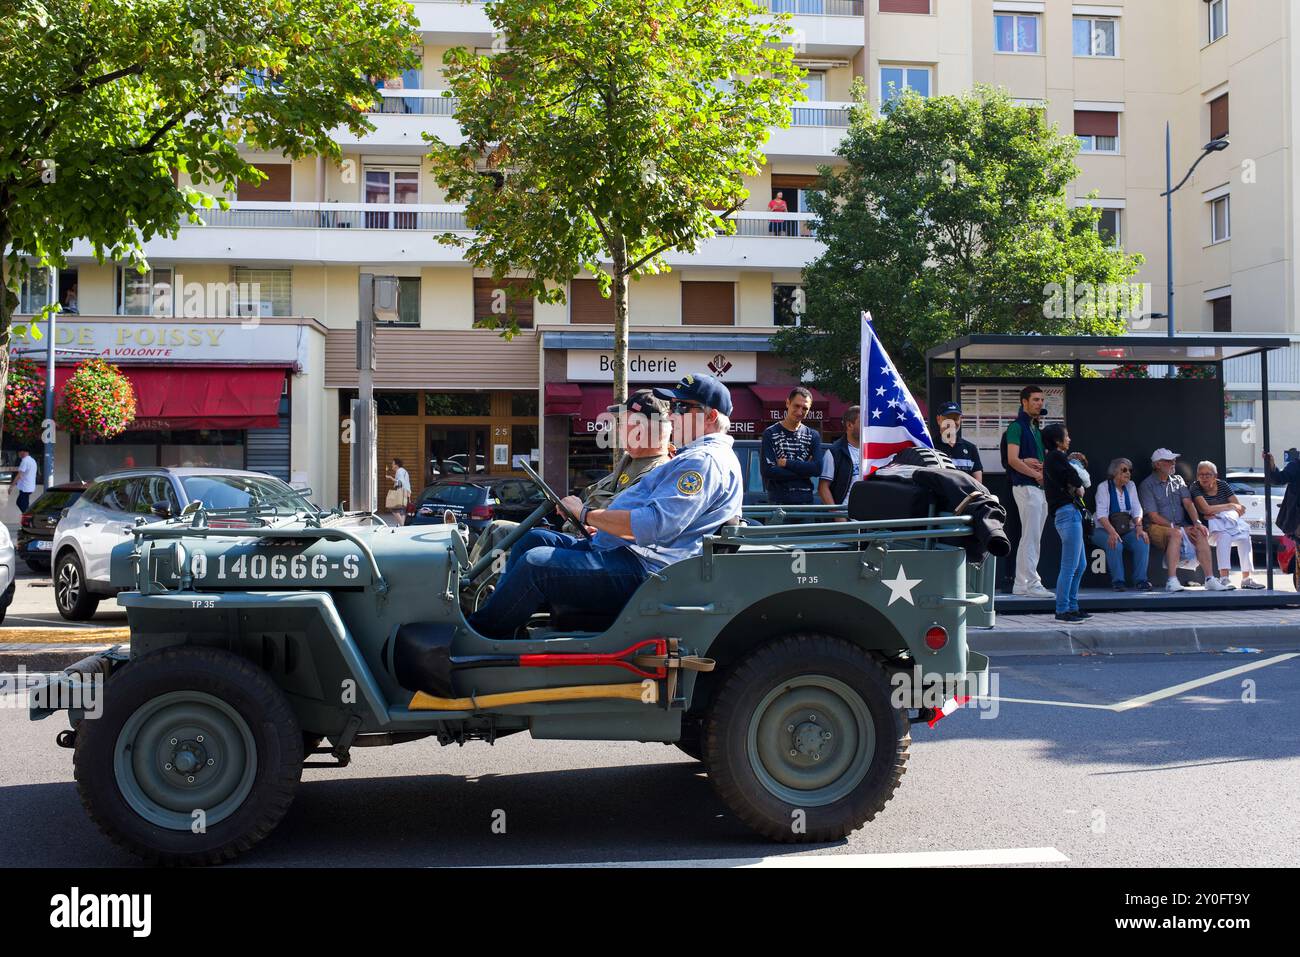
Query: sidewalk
{"points": [[1141, 632]]}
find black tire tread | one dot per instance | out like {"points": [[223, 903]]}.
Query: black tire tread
{"points": [[224, 666], [751, 671]]}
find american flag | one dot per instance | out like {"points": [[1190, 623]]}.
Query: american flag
{"points": [[891, 419]]}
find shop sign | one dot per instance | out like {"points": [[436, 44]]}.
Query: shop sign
{"points": [[172, 341], [646, 365]]}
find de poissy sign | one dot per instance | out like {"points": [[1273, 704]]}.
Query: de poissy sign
{"points": [[648, 365]]}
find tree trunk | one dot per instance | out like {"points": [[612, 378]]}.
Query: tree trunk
{"points": [[619, 269]]}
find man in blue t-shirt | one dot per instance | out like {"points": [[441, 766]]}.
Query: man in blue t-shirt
{"points": [[791, 454]]}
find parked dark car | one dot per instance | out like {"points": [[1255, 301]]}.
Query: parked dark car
{"points": [[35, 541], [473, 503], [516, 499], [747, 450]]}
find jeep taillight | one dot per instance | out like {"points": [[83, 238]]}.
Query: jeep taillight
{"points": [[481, 512], [936, 637]]}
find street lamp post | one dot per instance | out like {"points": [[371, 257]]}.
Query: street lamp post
{"points": [[1214, 146]]}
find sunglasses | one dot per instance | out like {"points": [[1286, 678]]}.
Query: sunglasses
{"points": [[1123, 469], [681, 407]]}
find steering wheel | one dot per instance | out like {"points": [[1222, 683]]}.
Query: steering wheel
{"points": [[555, 500]]}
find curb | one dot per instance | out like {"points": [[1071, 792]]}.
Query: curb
{"points": [[1098, 640]]}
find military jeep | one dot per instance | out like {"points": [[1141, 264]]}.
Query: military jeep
{"points": [[784, 657]]}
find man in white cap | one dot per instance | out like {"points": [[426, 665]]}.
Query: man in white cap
{"points": [[1172, 521]]}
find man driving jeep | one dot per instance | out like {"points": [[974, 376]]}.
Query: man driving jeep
{"points": [[661, 519]]}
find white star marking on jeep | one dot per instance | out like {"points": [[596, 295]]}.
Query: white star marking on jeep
{"points": [[900, 587]]}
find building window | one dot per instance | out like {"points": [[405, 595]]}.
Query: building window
{"points": [[462, 404], [814, 86], [1108, 227], [500, 301], [787, 305], [1094, 37], [523, 405], [392, 186], [1222, 311], [276, 188], [393, 300], [1015, 33], [1220, 219], [1097, 131], [262, 292], [896, 80], [144, 294], [1218, 12], [587, 306], [35, 293], [1219, 117], [904, 6]]}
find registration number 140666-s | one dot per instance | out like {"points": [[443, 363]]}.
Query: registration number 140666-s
{"points": [[276, 567]]}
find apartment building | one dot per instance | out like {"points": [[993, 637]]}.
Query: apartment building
{"points": [[321, 241], [1114, 74]]}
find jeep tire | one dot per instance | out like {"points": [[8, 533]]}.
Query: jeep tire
{"points": [[71, 595], [194, 759], [803, 742]]}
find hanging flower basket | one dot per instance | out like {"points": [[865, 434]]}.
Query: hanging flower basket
{"points": [[98, 401], [25, 401], [1194, 370], [1129, 370]]}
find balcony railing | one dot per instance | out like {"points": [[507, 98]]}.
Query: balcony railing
{"points": [[817, 8], [814, 113], [416, 103], [434, 218]]}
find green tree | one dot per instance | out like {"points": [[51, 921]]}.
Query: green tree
{"points": [[950, 218], [100, 100], [616, 130]]}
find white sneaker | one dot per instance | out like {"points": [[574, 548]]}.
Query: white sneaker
{"points": [[1039, 591], [1218, 584], [1173, 585], [1251, 583]]}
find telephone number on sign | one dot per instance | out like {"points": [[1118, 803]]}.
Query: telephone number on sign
{"points": [[275, 567]]}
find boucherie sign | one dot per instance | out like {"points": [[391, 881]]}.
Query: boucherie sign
{"points": [[645, 365]]}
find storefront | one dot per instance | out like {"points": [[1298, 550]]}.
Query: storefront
{"points": [[208, 393], [578, 388]]}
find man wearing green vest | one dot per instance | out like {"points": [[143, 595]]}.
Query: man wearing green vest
{"points": [[1024, 444]]}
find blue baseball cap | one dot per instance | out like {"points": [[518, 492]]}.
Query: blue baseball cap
{"points": [[703, 389], [949, 408]]}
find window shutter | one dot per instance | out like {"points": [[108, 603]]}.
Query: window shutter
{"points": [[1222, 313], [791, 181], [586, 306], [1095, 123], [904, 6], [276, 188], [1088, 122], [485, 296], [1219, 117], [708, 304]]}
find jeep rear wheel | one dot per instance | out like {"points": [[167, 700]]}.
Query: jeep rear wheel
{"points": [[195, 758], [71, 597], [802, 741]]}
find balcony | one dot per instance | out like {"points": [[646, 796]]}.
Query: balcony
{"points": [[350, 233], [816, 129], [404, 115]]}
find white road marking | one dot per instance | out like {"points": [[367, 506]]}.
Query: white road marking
{"points": [[1152, 696], [974, 858]]}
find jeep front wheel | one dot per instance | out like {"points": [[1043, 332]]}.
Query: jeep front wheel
{"points": [[803, 742], [194, 759]]}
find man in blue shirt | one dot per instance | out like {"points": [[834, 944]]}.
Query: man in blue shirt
{"points": [[660, 520]]}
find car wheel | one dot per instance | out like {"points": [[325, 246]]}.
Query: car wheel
{"points": [[195, 758], [71, 596], [803, 742], [6, 600]]}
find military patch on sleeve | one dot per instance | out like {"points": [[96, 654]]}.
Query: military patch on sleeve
{"points": [[624, 478], [690, 482]]}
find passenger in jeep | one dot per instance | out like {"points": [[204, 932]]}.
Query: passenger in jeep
{"points": [[661, 519]]}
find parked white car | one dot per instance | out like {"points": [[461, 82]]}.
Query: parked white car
{"points": [[1249, 489], [8, 570], [107, 511]]}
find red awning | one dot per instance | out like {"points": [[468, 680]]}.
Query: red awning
{"points": [[185, 397], [746, 413], [563, 398], [596, 399]]}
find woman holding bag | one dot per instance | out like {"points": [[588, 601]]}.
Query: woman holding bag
{"points": [[400, 493], [1119, 526], [1222, 514]]}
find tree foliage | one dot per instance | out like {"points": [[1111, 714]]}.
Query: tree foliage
{"points": [[951, 217], [616, 130], [100, 100]]}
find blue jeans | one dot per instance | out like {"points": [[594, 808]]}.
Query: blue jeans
{"points": [[1138, 549], [564, 571], [24, 499], [1069, 525]]}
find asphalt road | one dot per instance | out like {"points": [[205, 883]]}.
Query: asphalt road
{"points": [[1197, 778]]}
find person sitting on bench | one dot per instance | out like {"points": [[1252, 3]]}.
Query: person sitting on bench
{"points": [[660, 520]]}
